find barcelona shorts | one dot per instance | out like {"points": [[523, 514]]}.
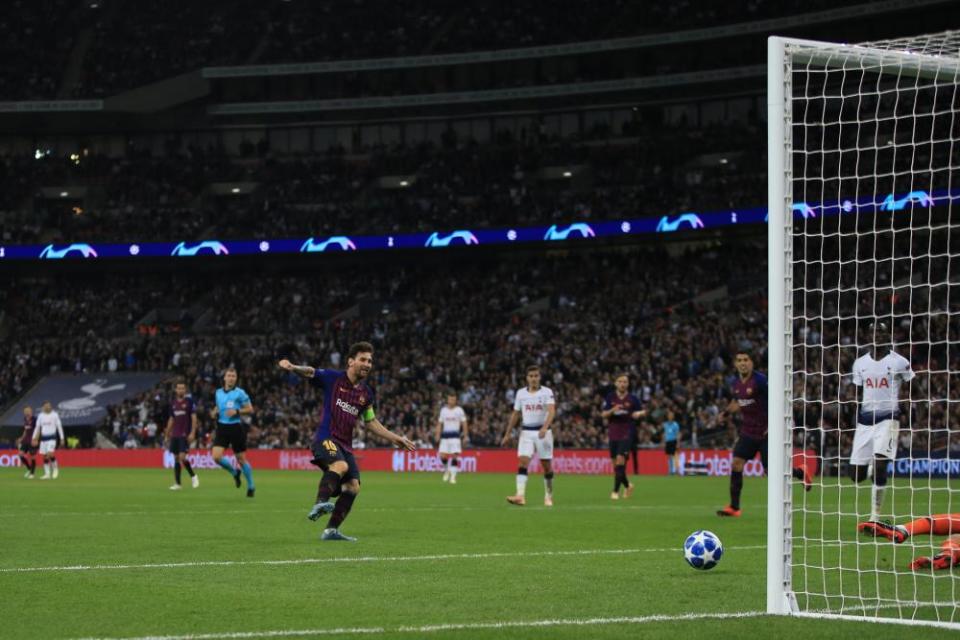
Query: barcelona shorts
{"points": [[747, 448], [326, 452]]}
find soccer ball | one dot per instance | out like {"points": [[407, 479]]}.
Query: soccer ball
{"points": [[702, 550]]}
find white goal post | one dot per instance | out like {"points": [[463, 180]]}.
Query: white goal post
{"points": [[863, 170]]}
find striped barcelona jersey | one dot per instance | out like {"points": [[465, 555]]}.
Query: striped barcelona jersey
{"points": [[181, 410], [28, 426], [619, 424], [751, 395], [343, 404]]}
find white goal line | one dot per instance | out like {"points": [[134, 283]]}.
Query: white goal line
{"points": [[454, 626], [357, 559]]}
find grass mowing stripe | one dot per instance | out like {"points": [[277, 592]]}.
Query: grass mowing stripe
{"points": [[446, 556], [299, 510], [455, 626]]}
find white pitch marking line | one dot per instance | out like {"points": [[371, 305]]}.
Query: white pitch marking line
{"points": [[26, 513], [428, 628], [448, 556]]}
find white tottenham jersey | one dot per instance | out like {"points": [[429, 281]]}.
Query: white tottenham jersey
{"points": [[48, 426], [533, 405], [451, 419], [881, 380]]}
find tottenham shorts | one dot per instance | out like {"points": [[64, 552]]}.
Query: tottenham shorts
{"points": [[873, 440], [450, 446], [47, 447], [531, 442]]}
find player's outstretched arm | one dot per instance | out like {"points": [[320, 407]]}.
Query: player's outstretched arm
{"points": [[301, 370], [378, 429]]}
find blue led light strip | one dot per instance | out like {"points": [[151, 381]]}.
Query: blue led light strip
{"points": [[474, 237]]}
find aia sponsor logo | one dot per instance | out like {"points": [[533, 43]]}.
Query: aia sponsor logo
{"points": [[876, 383]]}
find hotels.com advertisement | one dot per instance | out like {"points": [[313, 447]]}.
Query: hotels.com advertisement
{"points": [[715, 462]]}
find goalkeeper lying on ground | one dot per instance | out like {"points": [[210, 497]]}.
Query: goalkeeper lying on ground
{"points": [[944, 524]]}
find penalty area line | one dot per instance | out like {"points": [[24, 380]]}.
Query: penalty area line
{"points": [[355, 559], [452, 626]]}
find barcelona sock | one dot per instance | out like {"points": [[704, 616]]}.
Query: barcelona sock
{"points": [[33, 465], [188, 467], [227, 466], [26, 463], [248, 474], [616, 478], [329, 483], [341, 509], [176, 472], [798, 473], [736, 486]]}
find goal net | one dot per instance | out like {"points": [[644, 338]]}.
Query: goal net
{"points": [[864, 261]]}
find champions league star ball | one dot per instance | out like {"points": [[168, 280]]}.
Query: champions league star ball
{"points": [[702, 550]]}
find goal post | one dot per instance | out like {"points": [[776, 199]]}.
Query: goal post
{"points": [[863, 170]]}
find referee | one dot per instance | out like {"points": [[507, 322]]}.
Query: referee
{"points": [[232, 402]]}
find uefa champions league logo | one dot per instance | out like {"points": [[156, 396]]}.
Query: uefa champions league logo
{"points": [[684, 220], [892, 203], [84, 251], [209, 247], [464, 236], [580, 229], [338, 242]]}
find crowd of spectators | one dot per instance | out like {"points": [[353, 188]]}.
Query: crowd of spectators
{"points": [[578, 316], [583, 317], [639, 170], [124, 44]]}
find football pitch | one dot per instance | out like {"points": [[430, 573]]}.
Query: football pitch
{"points": [[110, 553]]}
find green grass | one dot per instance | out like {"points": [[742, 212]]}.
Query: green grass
{"points": [[620, 559]]}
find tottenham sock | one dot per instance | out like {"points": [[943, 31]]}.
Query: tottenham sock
{"points": [[522, 481]]}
